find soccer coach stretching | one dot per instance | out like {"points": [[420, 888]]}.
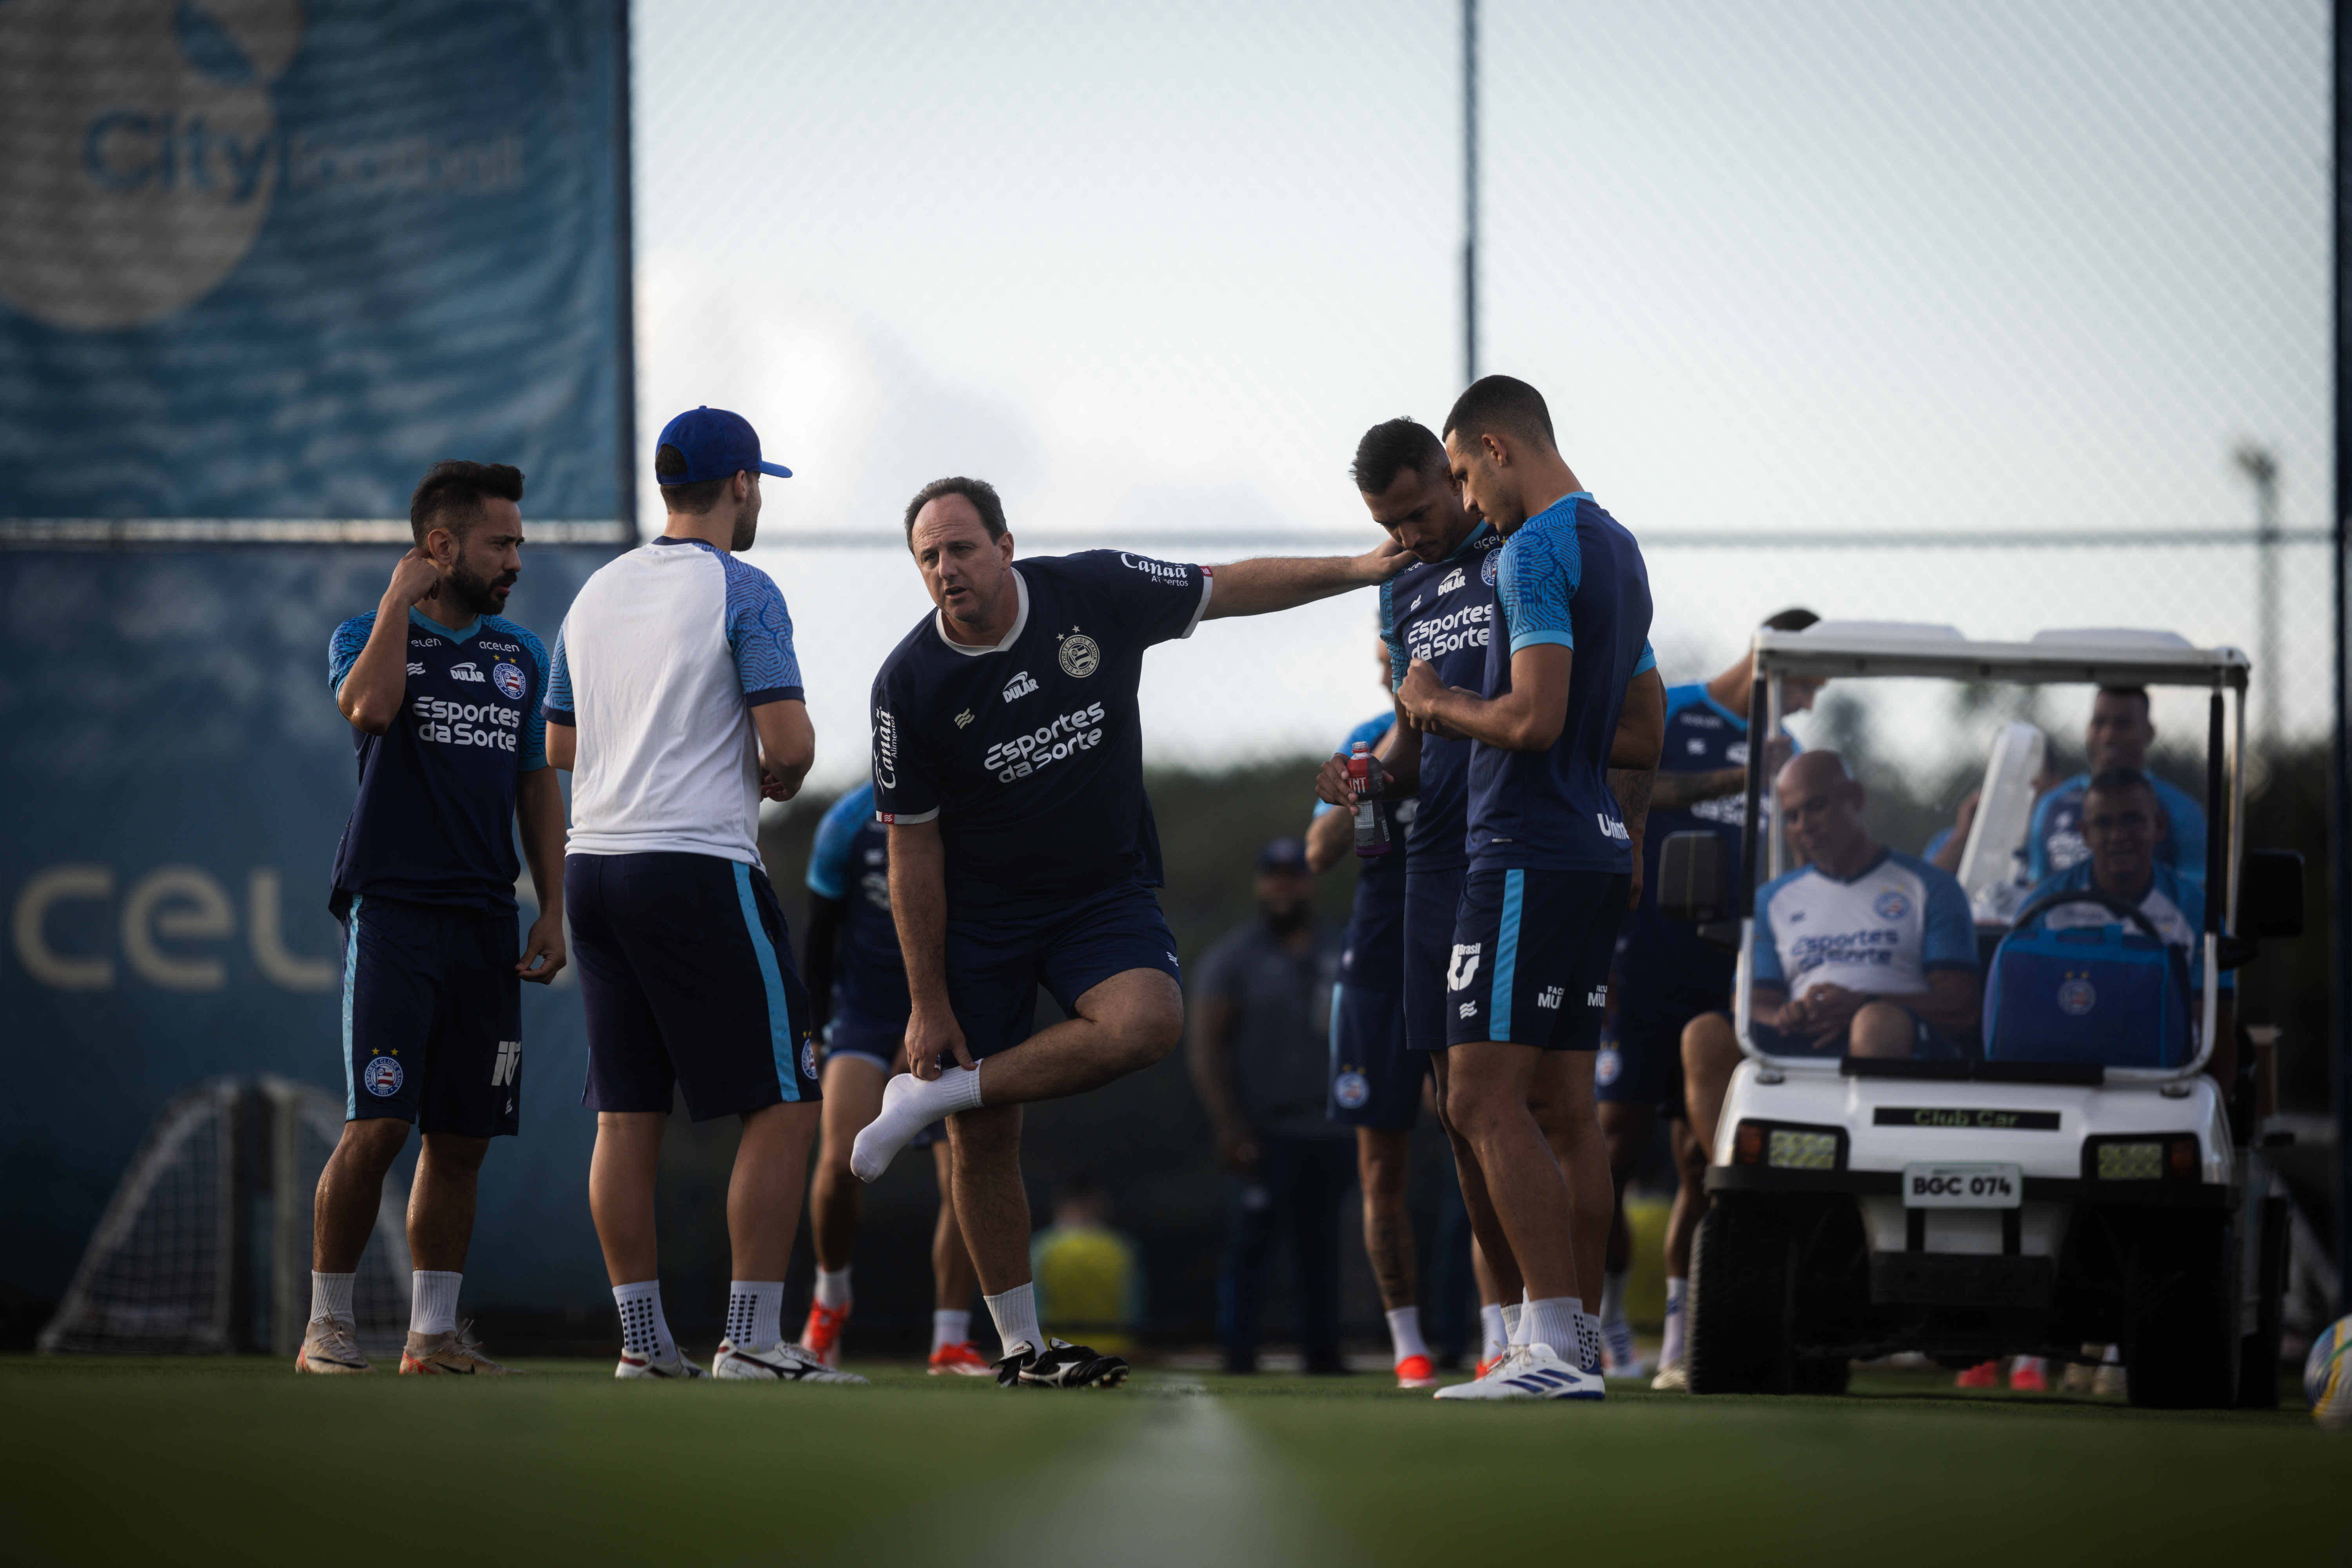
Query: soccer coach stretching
{"points": [[1008, 759], [676, 698]]}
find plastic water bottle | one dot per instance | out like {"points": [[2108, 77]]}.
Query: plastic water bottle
{"points": [[1364, 781]]}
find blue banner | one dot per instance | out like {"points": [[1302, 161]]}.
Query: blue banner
{"points": [[270, 258], [177, 778]]}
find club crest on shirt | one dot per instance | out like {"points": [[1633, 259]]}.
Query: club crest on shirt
{"points": [[1079, 655], [1350, 1089], [383, 1076], [1490, 566], [507, 678], [1891, 905]]}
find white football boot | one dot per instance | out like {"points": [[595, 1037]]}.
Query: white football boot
{"points": [[636, 1365], [1531, 1371], [782, 1362], [327, 1346]]}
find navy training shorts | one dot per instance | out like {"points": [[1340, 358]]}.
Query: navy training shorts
{"points": [[1641, 1060], [1375, 1081], [686, 978], [1531, 957], [432, 1017], [856, 1033], [994, 965], [1431, 900]]}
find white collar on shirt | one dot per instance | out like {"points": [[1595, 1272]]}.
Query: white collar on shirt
{"points": [[1020, 623]]}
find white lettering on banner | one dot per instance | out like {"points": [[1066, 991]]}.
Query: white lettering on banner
{"points": [[169, 904], [43, 892], [184, 903], [266, 934]]}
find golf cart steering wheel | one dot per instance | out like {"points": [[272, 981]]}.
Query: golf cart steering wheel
{"points": [[2132, 912]]}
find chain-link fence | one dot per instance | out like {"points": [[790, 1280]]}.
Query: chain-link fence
{"points": [[1997, 315]]}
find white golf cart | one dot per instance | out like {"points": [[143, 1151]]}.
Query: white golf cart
{"points": [[2100, 1191]]}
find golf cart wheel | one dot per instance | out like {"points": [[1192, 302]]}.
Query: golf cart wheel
{"points": [[1742, 1302], [2181, 1346], [1823, 1374]]}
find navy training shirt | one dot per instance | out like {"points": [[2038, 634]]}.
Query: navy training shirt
{"points": [[2053, 841], [1441, 613], [850, 863], [433, 822], [1371, 954], [1029, 752], [1701, 737], [1571, 575]]}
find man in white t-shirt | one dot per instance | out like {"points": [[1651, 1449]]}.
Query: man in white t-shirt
{"points": [[1861, 951], [676, 699]]}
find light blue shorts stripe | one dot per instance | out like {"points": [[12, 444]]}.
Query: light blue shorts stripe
{"points": [[1335, 1026], [780, 1016], [351, 984], [1507, 954]]}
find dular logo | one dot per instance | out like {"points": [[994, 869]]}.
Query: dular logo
{"points": [[466, 672], [142, 150], [1454, 579], [1019, 685]]}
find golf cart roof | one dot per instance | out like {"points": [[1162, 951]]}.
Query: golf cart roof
{"points": [[2098, 657]]}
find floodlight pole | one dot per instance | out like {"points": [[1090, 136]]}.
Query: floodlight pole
{"points": [[2339, 759], [1469, 190]]}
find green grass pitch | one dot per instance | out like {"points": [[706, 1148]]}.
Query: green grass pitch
{"points": [[161, 1460]]}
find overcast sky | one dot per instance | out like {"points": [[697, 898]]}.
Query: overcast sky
{"points": [[1962, 267]]}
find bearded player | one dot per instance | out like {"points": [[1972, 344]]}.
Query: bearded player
{"points": [[1008, 761]]}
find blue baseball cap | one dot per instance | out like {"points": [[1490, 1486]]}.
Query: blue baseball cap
{"points": [[717, 446]]}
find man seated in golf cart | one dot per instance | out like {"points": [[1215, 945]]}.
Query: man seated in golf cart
{"points": [[2122, 821], [1861, 952], [2119, 736]]}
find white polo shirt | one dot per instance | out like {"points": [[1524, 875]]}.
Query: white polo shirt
{"points": [[658, 665]]}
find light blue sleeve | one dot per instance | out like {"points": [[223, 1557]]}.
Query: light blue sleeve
{"points": [[1766, 968], [1649, 660], [828, 869], [1399, 659], [558, 703], [1542, 566], [534, 717], [760, 630], [343, 650], [1950, 941], [2187, 820]]}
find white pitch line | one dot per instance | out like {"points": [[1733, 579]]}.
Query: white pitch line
{"points": [[1188, 1485]]}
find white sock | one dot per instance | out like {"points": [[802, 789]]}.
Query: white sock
{"points": [[949, 1329], [1513, 1322], [1670, 1348], [1612, 1296], [1016, 1313], [833, 1288], [910, 1105], [433, 1302], [1495, 1335], [1588, 1338], [1404, 1332], [755, 1313], [1553, 1322], [644, 1330], [330, 1295]]}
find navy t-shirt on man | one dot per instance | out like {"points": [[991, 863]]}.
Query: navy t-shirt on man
{"points": [[1029, 752]]}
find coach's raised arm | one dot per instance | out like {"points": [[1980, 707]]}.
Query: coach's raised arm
{"points": [[1274, 583]]}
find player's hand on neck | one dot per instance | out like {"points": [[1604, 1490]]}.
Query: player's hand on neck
{"points": [[732, 522]]}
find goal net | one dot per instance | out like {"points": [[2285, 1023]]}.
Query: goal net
{"points": [[206, 1246]]}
